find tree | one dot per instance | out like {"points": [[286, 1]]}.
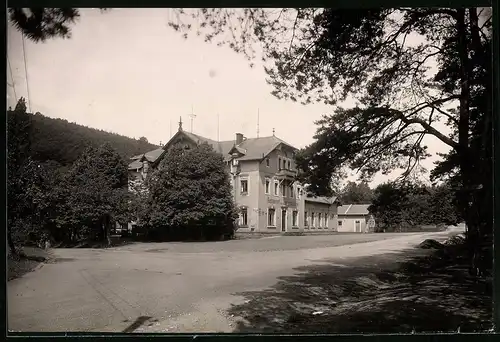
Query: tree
{"points": [[93, 195], [329, 54], [443, 205], [401, 205], [40, 24], [18, 149], [354, 193], [189, 196], [388, 205]]}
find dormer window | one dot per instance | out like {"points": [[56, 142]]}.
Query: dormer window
{"points": [[268, 162]]}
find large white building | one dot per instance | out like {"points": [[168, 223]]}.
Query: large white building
{"points": [[262, 173]]}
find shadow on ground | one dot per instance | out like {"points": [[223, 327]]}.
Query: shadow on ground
{"points": [[422, 293]]}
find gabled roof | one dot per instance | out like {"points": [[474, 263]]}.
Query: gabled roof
{"points": [[259, 148], [353, 209], [151, 156], [250, 149], [322, 199]]}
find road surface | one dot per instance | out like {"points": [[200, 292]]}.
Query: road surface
{"points": [[173, 287]]}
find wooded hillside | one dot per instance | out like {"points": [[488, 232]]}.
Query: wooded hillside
{"points": [[63, 142]]}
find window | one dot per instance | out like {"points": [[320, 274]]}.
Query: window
{"points": [[268, 163], [292, 193], [279, 163], [268, 185], [326, 220], [320, 219], [295, 216], [282, 189], [244, 217], [284, 164], [306, 219], [244, 186], [271, 217], [339, 223], [276, 189], [289, 165], [313, 220]]}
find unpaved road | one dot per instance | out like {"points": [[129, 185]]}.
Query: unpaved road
{"points": [[173, 287]]}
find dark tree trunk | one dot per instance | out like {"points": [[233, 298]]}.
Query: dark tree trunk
{"points": [[106, 231], [468, 202], [12, 246], [464, 117]]}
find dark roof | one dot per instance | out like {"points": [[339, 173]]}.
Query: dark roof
{"points": [[151, 156], [353, 209], [223, 147], [322, 199], [251, 148], [258, 148], [135, 165]]}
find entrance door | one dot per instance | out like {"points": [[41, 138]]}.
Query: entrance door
{"points": [[358, 226], [283, 220]]}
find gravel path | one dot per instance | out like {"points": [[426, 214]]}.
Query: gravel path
{"points": [[173, 287]]}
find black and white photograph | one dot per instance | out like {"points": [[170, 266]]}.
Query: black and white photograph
{"points": [[249, 170]]}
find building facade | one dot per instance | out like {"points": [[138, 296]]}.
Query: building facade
{"points": [[355, 218], [262, 173]]}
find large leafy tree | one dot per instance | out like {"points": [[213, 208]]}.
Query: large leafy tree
{"points": [[402, 204], [409, 69], [356, 193], [94, 194], [18, 168], [189, 195]]}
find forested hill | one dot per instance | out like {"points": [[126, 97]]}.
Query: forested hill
{"points": [[63, 142]]}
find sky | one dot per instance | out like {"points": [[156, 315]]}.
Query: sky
{"points": [[125, 71]]}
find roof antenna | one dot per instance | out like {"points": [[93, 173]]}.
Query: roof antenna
{"points": [[258, 117], [192, 115]]}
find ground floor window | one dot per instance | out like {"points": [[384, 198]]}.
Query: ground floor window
{"points": [[320, 219], [313, 220], [306, 220], [244, 217], [295, 216], [326, 220], [271, 217], [339, 223]]}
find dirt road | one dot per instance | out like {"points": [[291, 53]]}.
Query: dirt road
{"points": [[173, 287]]}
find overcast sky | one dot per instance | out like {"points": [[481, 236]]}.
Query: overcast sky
{"points": [[125, 71]]}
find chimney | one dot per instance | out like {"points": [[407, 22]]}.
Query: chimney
{"points": [[239, 138]]}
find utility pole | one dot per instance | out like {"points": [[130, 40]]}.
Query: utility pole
{"points": [[192, 116]]}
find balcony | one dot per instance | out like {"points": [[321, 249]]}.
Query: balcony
{"points": [[286, 174]]}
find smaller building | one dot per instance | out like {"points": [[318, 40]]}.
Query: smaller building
{"points": [[355, 218]]}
